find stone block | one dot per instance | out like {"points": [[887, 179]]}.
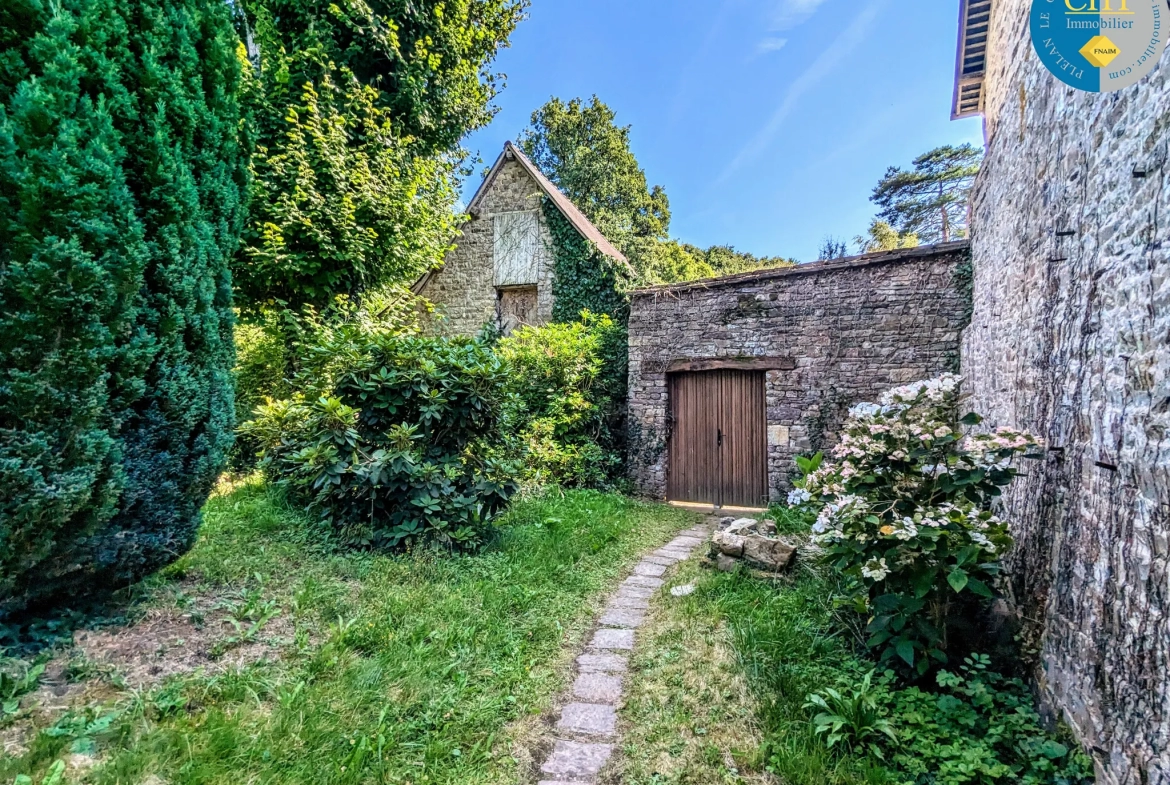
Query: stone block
{"points": [[606, 638], [623, 617], [767, 553], [575, 760], [649, 569], [589, 719], [598, 688], [728, 543], [601, 663]]}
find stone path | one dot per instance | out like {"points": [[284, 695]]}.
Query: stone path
{"points": [[585, 735]]}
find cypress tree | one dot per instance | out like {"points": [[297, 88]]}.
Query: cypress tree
{"points": [[121, 199]]}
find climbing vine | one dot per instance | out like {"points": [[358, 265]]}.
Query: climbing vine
{"points": [[584, 279]]}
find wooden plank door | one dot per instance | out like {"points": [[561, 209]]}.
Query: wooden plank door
{"points": [[693, 455], [717, 452]]}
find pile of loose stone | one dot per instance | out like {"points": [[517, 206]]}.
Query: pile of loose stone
{"points": [[749, 542], [585, 735]]}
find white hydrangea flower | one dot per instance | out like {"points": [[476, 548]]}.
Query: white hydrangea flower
{"points": [[875, 569], [798, 497]]}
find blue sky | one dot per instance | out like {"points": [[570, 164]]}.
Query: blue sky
{"points": [[768, 122]]}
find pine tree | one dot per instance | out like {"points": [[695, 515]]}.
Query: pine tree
{"points": [[121, 199]]}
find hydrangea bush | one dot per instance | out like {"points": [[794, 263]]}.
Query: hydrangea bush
{"points": [[904, 513]]}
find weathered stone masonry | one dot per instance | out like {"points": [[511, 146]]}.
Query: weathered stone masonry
{"points": [[839, 332], [462, 289], [1071, 339]]}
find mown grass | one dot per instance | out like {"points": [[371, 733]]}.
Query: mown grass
{"points": [[412, 668], [719, 685]]}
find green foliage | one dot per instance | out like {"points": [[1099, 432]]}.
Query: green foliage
{"points": [[121, 189], [883, 237], [394, 449], [16, 678], [357, 110], [979, 727], [584, 279], [567, 400], [433, 660], [674, 262], [833, 248], [849, 716], [587, 155], [930, 200], [904, 515]]}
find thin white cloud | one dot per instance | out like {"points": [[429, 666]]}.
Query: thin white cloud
{"points": [[789, 13], [820, 68], [770, 44]]}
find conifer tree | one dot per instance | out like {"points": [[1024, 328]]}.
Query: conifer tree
{"points": [[122, 184]]}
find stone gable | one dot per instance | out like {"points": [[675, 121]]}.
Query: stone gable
{"points": [[463, 289]]}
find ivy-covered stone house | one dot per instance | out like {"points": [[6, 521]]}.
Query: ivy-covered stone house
{"points": [[525, 255]]}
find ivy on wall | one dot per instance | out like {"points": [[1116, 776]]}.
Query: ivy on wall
{"points": [[584, 279]]}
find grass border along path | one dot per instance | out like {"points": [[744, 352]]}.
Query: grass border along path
{"points": [[583, 738], [408, 668]]}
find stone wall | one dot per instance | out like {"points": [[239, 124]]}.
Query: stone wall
{"points": [[463, 289], [1071, 339], [837, 333]]}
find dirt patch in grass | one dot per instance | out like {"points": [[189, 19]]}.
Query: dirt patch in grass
{"points": [[213, 632]]}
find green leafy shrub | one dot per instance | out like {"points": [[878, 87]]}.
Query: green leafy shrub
{"points": [[566, 400], [849, 715], [904, 515], [121, 198], [980, 727], [392, 444]]}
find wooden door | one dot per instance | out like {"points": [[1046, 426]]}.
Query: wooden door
{"points": [[718, 441]]}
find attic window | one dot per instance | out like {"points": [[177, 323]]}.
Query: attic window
{"points": [[971, 60], [516, 248]]}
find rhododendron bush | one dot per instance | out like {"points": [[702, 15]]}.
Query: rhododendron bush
{"points": [[904, 512]]}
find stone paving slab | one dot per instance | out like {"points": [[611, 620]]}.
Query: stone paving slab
{"points": [[643, 580], [623, 617], [589, 719], [598, 688], [637, 592], [684, 542], [665, 561], [602, 663], [606, 638], [637, 603], [576, 760]]}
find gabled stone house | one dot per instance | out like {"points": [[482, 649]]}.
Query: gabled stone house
{"points": [[502, 268]]}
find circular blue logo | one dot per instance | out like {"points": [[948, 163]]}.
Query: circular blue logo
{"points": [[1099, 45]]}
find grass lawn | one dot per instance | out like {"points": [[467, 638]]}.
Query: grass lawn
{"points": [[720, 679], [347, 667]]}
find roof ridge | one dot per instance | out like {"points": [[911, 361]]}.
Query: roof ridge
{"points": [[563, 203]]}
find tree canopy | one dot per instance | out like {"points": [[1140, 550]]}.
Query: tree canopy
{"points": [[122, 195], [580, 147], [357, 110], [931, 199]]}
